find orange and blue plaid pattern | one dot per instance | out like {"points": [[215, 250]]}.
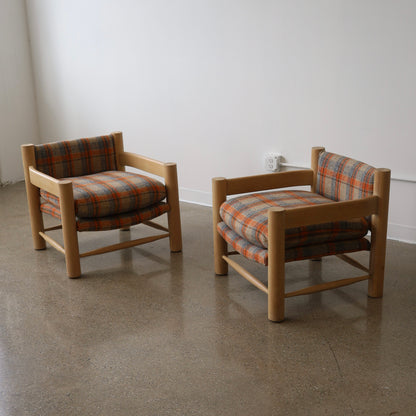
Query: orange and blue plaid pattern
{"points": [[111, 222], [341, 178], [247, 216], [260, 255], [111, 193], [76, 157]]}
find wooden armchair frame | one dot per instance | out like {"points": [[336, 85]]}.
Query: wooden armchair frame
{"points": [[62, 188], [280, 219]]}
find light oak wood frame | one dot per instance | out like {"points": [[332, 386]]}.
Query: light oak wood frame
{"points": [[280, 219], [36, 180]]}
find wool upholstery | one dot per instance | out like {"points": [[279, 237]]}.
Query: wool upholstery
{"points": [[111, 193], [341, 178], [247, 216], [260, 254], [104, 197], [76, 157], [111, 222]]}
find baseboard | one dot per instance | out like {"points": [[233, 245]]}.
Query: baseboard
{"points": [[7, 183], [195, 197], [400, 232]]}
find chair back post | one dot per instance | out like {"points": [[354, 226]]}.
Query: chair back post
{"points": [[314, 165], [69, 229], [33, 197], [276, 265], [379, 233], [174, 216], [219, 195], [119, 148]]}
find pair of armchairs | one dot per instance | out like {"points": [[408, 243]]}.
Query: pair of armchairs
{"points": [[84, 184]]}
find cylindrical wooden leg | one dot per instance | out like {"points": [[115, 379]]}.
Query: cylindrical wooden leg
{"points": [[379, 234], [219, 195], [276, 266], [36, 219], [33, 197], [69, 229], [377, 260], [220, 249], [174, 215]]}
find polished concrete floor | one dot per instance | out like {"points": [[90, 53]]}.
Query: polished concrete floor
{"points": [[146, 332]]}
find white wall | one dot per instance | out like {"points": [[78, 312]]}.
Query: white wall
{"points": [[214, 84], [18, 118]]}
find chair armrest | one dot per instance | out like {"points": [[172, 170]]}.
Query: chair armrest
{"points": [[319, 214], [46, 182], [268, 181], [142, 162]]}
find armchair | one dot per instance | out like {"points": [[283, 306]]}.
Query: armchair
{"points": [[347, 199], [83, 183]]}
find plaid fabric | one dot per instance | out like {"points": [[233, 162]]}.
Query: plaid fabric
{"points": [[260, 255], [241, 245], [247, 216], [341, 178], [111, 193], [111, 222], [76, 157]]}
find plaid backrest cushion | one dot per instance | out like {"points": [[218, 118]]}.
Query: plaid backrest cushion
{"points": [[341, 178], [76, 157]]}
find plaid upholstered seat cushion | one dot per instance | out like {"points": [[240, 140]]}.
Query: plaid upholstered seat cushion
{"points": [[111, 222], [261, 255], [111, 193], [341, 178], [247, 216]]}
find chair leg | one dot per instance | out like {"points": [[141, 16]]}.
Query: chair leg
{"points": [[73, 264], [36, 219], [276, 266], [174, 216], [220, 249], [33, 197], [377, 262], [69, 230], [219, 196], [379, 234], [175, 233]]}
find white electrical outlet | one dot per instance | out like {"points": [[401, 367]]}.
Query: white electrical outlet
{"points": [[272, 161]]}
